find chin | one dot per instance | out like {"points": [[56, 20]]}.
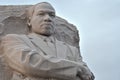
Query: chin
{"points": [[46, 33]]}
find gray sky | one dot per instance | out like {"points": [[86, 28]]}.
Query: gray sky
{"points": [[98, 22]]}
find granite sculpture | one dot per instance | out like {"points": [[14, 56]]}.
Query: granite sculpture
{"points": [[41, 53]]}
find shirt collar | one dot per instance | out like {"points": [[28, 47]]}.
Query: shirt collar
{"points": [[45, 38]]}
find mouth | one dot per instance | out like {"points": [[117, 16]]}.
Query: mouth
{"points": [[47, 24]]}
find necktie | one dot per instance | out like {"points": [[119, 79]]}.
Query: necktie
{"points": [[51, 45]]}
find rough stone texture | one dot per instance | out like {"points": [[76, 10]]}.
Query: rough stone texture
{"points": [[13, 20], [4, 71]]}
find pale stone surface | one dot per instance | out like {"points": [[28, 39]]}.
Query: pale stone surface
{"points": [[14, 21], [39, 55]]}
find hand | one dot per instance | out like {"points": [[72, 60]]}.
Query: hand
{"points": [[86, 74]]}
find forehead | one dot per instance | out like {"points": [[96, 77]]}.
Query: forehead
{"points": [[44, 7]]}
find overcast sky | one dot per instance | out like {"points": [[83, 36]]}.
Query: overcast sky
{"points": [[98, 22]]}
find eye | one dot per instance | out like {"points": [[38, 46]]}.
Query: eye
{"points": [[52, 14], [41, 14]]}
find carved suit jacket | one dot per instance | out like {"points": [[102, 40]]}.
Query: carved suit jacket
{"points": [[33, 59]]}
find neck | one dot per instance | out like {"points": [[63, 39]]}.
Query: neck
{"points": [[43, 37]]}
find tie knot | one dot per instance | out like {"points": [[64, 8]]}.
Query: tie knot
{"points": [[48, 40]]}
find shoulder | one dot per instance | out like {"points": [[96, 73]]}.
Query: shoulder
{"points": [[73, 48], [11, 37], [66, 44]]}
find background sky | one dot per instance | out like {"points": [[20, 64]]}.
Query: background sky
{"points": [[98, 22]]}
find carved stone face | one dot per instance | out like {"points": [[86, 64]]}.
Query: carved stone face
{"points": [[42, 21]]}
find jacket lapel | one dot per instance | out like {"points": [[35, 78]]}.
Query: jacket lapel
{"points": [[61, 49], [64, 51], [42, 45]]}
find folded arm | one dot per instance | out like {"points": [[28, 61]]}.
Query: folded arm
{"points": [[29, 62], [84, 73]]}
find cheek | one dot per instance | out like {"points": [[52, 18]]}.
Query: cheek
{"points": [[36, 20]]}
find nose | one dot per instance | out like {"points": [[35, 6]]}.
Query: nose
{"points": [[47, 18]]}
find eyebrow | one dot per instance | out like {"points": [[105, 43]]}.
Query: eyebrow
{"points": [[49, 11]]}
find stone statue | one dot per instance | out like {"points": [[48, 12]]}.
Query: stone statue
{"points": [[39, 55]]}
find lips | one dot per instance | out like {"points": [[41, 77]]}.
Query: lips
{"points": [[46, 24]]}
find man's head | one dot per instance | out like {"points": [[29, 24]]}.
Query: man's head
{"points": [[41, 19]]}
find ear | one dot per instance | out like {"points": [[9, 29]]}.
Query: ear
{"points": [[28, 21], [1, 28]]}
